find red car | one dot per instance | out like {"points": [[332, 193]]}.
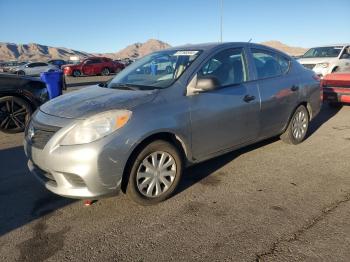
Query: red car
{"points": [[336, 88], [93, 66]]}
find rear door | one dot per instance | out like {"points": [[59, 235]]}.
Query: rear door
{"points": [[229, 115], [279, 90]]}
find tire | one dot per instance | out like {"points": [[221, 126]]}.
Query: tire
{"points": [[76, 73], [14, 114], [105, 71], [297, 127], [139, 187], [21, 73]]}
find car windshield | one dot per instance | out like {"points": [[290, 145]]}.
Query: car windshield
{"points": [[329, 51], [156, 71]]}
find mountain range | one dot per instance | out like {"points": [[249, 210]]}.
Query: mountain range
{"points": [[38, 52]]}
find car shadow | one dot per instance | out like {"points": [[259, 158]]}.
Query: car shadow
{"points": [[22, 197], [196, 173], [325, 114]]}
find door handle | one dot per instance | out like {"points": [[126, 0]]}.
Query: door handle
{"points": [[248, 98], [294, 88]]}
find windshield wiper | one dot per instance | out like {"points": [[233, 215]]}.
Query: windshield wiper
{"points": [[123, 86]]}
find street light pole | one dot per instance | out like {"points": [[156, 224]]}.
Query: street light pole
{"points": [[222, 3]]}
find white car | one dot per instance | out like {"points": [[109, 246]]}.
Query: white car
{"points": [[35, 68], [327, 59]]}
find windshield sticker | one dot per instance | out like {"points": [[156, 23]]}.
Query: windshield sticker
{"points": [[186, 53]]}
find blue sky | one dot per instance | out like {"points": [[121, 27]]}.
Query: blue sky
{"points": [[109, 25]]}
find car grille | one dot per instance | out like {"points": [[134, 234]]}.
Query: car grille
{"points": [[42, 134], [309, 66]]}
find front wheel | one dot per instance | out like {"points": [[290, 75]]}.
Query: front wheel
{"points": [[14, 114], [297, 127], [21, 73], [155, 173]]}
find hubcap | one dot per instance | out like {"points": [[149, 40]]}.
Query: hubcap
{"points": [[12, 115], [156, 174], [299, 125]]}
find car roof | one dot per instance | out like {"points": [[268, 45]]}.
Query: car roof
{"points": [[17, 77], [331, 45], [210, 46]]}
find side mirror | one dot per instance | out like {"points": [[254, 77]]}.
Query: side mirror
{"points": [[207, 83], [202, 84]]}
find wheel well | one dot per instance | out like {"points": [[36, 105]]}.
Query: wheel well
{"points": [[308, 108], [334, 68], [166, 136]]}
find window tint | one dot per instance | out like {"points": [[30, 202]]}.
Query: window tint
{"points": [[284, 63], [95, 61], [266, 63], [41, 64], [228, 67]]}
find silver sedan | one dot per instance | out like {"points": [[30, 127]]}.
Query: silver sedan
{"points": [[35, 68], [138, 132]]}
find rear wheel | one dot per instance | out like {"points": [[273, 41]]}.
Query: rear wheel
{"points": [[297, 127], [105, 72], [76, 73], [14, 114], [155, 173]]}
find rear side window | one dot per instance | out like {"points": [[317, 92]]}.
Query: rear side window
{"points": [[266, 63], [284, 63], [228, 67]]}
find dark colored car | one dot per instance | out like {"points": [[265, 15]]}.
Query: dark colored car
{"points": [[336, 89], [93, 66], [19, 97], [57, 62]]}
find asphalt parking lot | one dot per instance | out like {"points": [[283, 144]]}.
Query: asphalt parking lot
{"points": [[267, 202]]}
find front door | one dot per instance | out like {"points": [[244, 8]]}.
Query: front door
{"points": [[228, 115]]}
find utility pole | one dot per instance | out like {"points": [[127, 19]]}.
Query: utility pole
{"points": [[221, 11]]}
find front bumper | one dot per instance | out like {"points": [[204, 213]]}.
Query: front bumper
{"points": [[336, 94], [91, 170]]}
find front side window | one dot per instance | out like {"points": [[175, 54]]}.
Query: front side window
{"points": [[155, 71], [328, 51], [266, 63], [228, 67]]}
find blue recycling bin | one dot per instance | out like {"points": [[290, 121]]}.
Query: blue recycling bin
{"points": [[54, 82]]}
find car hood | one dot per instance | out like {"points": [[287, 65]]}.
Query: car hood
{"points": [[92, 100], [316, 60]]}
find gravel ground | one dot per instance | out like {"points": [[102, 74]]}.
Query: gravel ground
{"points": [[267, 202]]}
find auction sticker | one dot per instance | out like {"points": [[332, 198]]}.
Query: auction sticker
{"points": [[186, 53]]}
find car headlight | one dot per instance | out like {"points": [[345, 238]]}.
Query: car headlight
{"points": [[96, 127], [324, 65]]}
